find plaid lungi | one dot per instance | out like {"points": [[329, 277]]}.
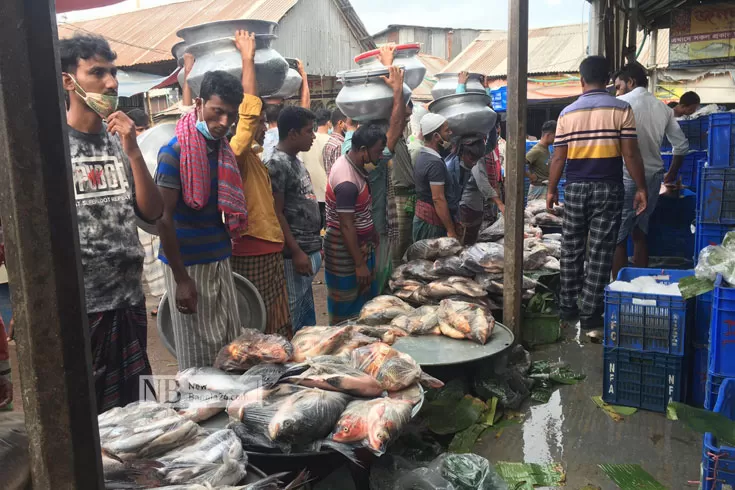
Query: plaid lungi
{"points": [[200, 336], [344, 299], [591, 209], [267, 275], [405, 227], [423, 230], [301, 293], [119, 340]]}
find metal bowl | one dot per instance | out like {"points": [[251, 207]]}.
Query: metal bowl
{"points": [[365, 95], [222, 54], [210, 31], [150, 142], [406, 55], [292, 84], [447, 84], [249, 304], [467, 113], [177, 50]]}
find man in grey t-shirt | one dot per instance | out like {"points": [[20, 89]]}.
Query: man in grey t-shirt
{"points": [[111, 185], [297, 210]]}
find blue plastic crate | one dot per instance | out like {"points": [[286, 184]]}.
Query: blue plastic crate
{"points": [[706, 235], [499, 97], [714, 381], [646, 380], [721, 140], [716, 196], [718, 462], [648, 322], [696, 131], [698, 376], [722, 330], [702, 318], [690, 168]]}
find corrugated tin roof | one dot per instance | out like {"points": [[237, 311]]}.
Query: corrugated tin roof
{"points": [[433, 65], [147, 35], [662, 51]]}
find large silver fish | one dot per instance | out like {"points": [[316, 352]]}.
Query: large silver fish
{"points": [[306, 416], [382, 309]]}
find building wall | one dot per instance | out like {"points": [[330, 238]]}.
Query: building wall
{"points": [[315, 32], [434, 41]]}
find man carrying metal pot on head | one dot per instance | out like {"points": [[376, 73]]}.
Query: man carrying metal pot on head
{"points": [[434, 215]]}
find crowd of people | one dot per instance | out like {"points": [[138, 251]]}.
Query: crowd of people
{"points": [[273, 191]]}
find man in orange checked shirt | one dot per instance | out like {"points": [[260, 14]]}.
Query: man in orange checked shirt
{"points": [[258, 254]]}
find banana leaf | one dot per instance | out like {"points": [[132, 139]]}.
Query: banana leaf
{"points": [[449, 417], [631, 477], [702, 421], [692, 286], [543, 475], [464, 441]]}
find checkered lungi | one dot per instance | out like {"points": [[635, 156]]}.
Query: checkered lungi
{"points": [[591, 209], [405, 227], [267, 275], [301, 293]]}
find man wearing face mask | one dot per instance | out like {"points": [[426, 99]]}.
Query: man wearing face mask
{"points": [[111, 185], [200, 182], [257, 254], [434, 218], [351, 238]]}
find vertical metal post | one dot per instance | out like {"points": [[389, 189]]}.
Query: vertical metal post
{"points": [[653, 62], [633, 31], [515, 162], [596, 44], [44, 268]]}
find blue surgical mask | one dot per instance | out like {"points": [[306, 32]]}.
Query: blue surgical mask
{"points": [[202, 128], [329, 131]]}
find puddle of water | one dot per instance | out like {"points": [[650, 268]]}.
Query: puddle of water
{"points": [[542, 432]]}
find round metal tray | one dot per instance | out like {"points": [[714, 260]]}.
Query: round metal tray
{"points": [[249, 304], [150, 142], [438, 350]]}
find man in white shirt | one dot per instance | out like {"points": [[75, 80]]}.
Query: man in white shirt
{"points": [[314, 158], [654, 119]]}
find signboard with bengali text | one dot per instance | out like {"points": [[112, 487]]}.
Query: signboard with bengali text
{"points": [[702, 35]]}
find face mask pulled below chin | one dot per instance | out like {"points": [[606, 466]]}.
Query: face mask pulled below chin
{"points": [[102, 104], [202, 128]]}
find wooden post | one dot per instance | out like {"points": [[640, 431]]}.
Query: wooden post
{"points": [[515, 157], [633, 31], [44, 268]]}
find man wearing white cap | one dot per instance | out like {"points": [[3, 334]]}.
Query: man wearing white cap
{"points": [[433, 218]]}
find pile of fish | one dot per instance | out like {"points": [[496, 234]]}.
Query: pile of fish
{"points": [[149, 445], [373, 390]]}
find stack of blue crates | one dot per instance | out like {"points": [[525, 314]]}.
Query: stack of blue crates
{"points": [[721, 363], [718, 459], [646, 339]]}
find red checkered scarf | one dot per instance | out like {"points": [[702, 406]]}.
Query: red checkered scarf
{"points": [[195, 178]]}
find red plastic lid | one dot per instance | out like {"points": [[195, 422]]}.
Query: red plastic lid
{"points": [[375, 52]]}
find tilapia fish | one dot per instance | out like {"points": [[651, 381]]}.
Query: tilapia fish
{"points": [[382, 309], [453, 285], [421, 321], [352, 343], [461, 320], [432, 249], [402, 283], [547, 219], [484, 257], [494, 232], [171, 439], [383, 333], [258, 397], [372, 423], [252, 348], [554, 247], [393, 370], [318, 341], [334, 377], [306, 416], [535, 258], [450, 266], [536, 206]]}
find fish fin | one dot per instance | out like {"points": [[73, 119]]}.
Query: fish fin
{"points": [[346, 450], [430, 381]]}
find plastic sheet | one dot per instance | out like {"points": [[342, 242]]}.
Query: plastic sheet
{"points": [[452, 286], [318, 341], [484, 257], [421, 321], [494, 232], [446, 472], [461, 320], [547, 219], [372, 424], [505, 378], [715, 260], [253, 348], [382, 309], [536, 206], [450, 266], [419, 270], [333, 376], [535, 258], [432, 249]]}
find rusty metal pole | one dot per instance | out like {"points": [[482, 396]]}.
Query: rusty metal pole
{"points": [[44, 268], [515, 157]]}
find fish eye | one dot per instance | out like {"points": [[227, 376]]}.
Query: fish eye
{"points": [[345, 429]]}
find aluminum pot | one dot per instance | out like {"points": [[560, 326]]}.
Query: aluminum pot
{"points": [[211, 31], [150, 142], [365, 96], [468, 113], [406, 55], [177, 51], [447, 84], [292, 84], [221, 54]]}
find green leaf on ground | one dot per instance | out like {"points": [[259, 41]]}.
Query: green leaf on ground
{"points": [[701, 420], [615, 412], [464, 441], [544, 475], [631, 477], [449, 418]]}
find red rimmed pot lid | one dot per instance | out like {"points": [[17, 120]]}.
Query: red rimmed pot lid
{"points": [[375, 52]]}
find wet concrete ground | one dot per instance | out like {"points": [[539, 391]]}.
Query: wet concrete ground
{"points": [[571, 430]]}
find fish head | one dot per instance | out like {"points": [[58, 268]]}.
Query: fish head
{"points": [[280, 428], [380, 439], [350, 428]]}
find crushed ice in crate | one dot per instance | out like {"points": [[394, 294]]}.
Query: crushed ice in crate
{"points": [[646, 284]]}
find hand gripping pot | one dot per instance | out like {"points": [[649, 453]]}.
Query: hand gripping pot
{"points": [[467, 113], [406, 55], [365, 96], [447, 84]]}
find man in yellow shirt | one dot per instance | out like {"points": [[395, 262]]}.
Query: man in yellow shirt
{"points": [[258, 254]]}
